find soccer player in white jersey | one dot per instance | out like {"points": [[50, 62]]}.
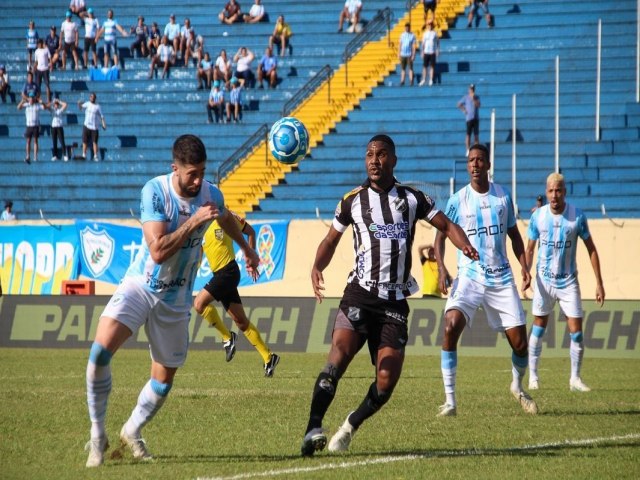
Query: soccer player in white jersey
{"points": [[374, 307], [556, 228], [156, 292], [485, 212]]}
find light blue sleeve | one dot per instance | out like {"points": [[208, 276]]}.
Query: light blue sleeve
{"points": [[217, 197], [583, 227], [452, 208], [151, 203], [532, 230], [511, 219]]}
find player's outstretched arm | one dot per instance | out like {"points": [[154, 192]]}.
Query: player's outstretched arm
{"points": [[595, 263], [326, 250], [455, 234]]}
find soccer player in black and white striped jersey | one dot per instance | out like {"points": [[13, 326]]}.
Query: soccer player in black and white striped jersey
{"points": [[374, 308]]}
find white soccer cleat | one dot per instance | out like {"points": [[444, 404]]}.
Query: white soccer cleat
{"points": [[447, 410], [534, 384], [96, 448], [137, 445], [577, 385], [526, 402], [342, 438]]}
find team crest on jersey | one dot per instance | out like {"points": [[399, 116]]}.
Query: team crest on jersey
{"points": [[400, 204], [97, 250], [500, 212], [219, 234]]}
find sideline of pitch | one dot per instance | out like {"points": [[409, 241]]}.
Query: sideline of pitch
{"points": [[434, 454]]}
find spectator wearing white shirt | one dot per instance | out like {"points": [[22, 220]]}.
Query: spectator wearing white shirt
{"points": [[91, 27], [185, 34], [430, 49], [350, 13], [57, 109], [92, 119], [69, 41], [79, 8], [222, 67], [109, 29], [32, 108], [42, 66], [256, 13], [165, 56], [243, 59], [7, 216], [172, 32]]}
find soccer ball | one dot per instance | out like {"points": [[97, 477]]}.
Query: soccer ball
{"points": [[288, 140]]}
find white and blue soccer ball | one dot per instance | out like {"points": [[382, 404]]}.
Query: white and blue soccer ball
{"points": [[288, 140]]}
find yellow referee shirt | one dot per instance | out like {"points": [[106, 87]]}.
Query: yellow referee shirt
{"points": [[218, 246]]}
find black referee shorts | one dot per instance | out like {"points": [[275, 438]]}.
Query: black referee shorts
{"points": [[224, 285]]}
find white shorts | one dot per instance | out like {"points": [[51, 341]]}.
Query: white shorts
{"points": [[545, 296], [166, 326], [501, 304]]}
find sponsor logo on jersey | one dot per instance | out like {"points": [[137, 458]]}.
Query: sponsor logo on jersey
{"points": [[394, 231]]}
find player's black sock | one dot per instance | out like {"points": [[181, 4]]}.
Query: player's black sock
{"points": [[373, 401], [323, 393]]}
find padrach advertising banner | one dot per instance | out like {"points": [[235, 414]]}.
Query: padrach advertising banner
{"points": [[303, 325]]}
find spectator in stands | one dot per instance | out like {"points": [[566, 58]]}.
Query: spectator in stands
{"points": [[268, 69], [91, 27], [53, 44], [222, 67], [69, 41], [470, 106], [281, 35], [256, 13], [185, 34], [429, 9], [351, 13], [92, 119], [476, 5], [172, 32], [57, 109], [154, 39], [430, 49], [5, 87], [234, 105], [539, 203], [231, 13], [243, 59], [108, 29], [430, 287], [32, 107], [32, 43], [42, 66], [30, 86], [194, 48], [205, 72], [79, 8], [215, 103], [7, 216], [139, 45], [166, 57], [407, 53]]}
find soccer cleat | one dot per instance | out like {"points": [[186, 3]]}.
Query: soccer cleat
{"points": [[315, 440], [137, 445], [534, 384], [447, 410], [230, 347], [526, 402], [270, 366], [96, 448], [342, 439], [576, 385]]}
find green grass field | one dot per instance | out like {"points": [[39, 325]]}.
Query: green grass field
{"points": [[228, 421]]}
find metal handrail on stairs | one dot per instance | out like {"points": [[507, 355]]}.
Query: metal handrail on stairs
{"points": [[261, 135], [308, 88]]}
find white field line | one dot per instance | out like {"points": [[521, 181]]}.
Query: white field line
{"points": [[434, 454]]}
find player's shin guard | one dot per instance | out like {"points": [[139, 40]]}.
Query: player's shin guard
{"points": [[98, 387], [576, 352], [373, 402], [535, 349], [323, 393], [151, 398], [449, 366]]}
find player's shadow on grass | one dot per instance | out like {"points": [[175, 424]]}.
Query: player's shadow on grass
{"points": [[590, 413]]}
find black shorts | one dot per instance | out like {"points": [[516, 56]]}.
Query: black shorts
{"points": [[89, 136], [382, 323], [40, 76], [68, 46], [404, 61], [473, 126], [224, 285], [429, 59], [429, 6], [32, 132], [89, 44]]}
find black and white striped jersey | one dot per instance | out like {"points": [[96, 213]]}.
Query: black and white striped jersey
{"points": [[383, 230]]}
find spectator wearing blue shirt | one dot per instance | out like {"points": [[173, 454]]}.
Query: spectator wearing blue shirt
{"points": [[204, 71], [29, 87], [470, 106], [268, 69], [215, 102], [32, 43], [407, 53], [234, 105], [108, 29]]}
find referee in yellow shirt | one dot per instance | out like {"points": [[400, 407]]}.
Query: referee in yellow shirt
{"points": [[223, 287]]}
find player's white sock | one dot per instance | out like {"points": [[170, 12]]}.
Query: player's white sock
{"points": [[98, 388], [535, 349], [576, 351], [518, 369], [449, 365], [151, 398]]}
